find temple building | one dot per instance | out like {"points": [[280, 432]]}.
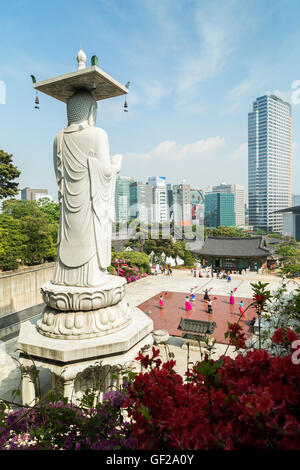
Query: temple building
{"points": [[235, 254]]}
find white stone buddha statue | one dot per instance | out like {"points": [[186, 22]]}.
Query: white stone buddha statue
{"points": [[86, 178]]}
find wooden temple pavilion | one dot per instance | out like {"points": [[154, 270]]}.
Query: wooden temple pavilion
{"points": [[234, 254]]}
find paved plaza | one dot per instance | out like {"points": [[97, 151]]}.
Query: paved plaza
{"points": [[148, 290]]}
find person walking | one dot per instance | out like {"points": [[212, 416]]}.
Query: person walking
{"points": [[209, 307]]}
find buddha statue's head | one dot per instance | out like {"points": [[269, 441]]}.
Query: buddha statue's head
{"points": [[82, 107]]}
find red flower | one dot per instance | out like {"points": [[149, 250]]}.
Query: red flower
{"points": [[259, 297], [284, 336]]}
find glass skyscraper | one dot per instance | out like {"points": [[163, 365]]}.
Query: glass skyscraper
{"points": [[269, 161], [219, 210], [122, 199]]}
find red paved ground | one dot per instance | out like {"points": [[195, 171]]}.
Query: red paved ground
{"points": [[168, 318]]}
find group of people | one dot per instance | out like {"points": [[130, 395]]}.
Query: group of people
{"points": [[165, 269], [209, 272], [224, 275], [192, 297]]}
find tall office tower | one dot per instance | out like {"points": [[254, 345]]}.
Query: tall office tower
{"points": [[269, 161], [197, 206], [160, 200], [239, 192], [29, 194], [296, 200], [170, 202], [141, 195], [219, 209], [122, 199], [182, 209]]}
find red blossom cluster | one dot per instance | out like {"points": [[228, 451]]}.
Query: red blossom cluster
{"points": [[236, 335], [251, 401], [260, 298], [284, 336]]}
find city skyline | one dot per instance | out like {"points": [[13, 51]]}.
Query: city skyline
{"points": [[193, 77]]}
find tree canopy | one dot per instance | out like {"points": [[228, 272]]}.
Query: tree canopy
{"points": [[28, 233], [8, 173], [228, 232]]}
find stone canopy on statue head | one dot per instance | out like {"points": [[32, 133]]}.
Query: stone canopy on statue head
{"points": [[93, 79]]}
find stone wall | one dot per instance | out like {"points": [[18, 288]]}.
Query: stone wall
{"points": [[21, 289]]}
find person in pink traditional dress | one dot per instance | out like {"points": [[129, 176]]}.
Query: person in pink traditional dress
{"points": [[188, 306], [161, 301], [231, 298]]}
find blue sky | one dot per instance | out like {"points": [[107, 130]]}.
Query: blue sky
{"points": [[195, 68]]}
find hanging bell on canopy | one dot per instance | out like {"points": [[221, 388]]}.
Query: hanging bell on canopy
{"points": [[125, 104], [36, 101]]}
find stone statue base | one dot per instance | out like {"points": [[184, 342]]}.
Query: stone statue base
{"points": [[73, 363], [68, 298], [84, 325]]}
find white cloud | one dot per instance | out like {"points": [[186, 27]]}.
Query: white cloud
{"points": [[286, 95], [169, 149], [238, 93], [240, 153], [216, 36]]}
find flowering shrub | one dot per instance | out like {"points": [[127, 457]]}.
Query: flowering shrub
{"points": [[281, 312], [251, 401], [61, 425], [125, 269], [236, 336]]}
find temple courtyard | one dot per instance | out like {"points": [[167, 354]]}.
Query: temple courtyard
{"points": [[145, 295]]}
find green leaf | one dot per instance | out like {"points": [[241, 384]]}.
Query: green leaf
{"points": [[145, 412]]}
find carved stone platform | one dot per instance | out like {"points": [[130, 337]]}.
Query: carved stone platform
{"points": [[68, 360], [72, 298]]}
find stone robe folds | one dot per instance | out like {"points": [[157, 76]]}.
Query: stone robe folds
{"points": [[86, 188]]}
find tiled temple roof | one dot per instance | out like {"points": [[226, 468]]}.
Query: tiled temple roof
{"points": [[251, 247]]}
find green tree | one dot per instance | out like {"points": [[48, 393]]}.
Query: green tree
{"points": [[178, 250], [227, 232], [38, 229], [50, 209], [289, 254], [259, 231], [291, 270], [12, 242], [189, 260], [8, 173], [18, 209]]}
